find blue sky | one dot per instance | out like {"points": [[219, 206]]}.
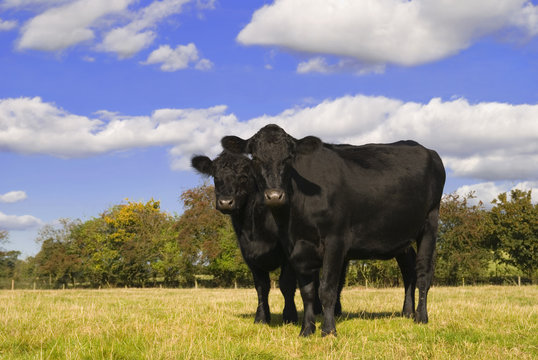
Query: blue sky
{"points": [[104, 100]]}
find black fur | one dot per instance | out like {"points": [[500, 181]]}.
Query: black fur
{"points": [[333, 203]]}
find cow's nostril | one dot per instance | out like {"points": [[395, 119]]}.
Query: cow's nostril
{"points": [[226, 203], [274, 197]]}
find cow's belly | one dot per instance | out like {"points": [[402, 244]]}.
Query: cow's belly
{"points": [[377, 249]]}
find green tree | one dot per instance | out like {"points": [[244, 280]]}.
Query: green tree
{"points": [[3, 236], [462, 249], [207, 239], [138, 231], [379, 273], [99, 256], [514, 231], [58, 258], [228, 266], [8, 259]]}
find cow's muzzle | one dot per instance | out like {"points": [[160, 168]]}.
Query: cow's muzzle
{"points": [[275, 197], [226, 204]]}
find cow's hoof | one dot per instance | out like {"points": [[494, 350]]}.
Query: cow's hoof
{"points": [[262, 320], [421, 318], [308, 330], [290, 318], [328, 332]]}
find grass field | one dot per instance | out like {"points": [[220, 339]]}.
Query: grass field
{"points": [[465, 323]]}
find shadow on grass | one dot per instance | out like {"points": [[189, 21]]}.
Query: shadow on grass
{"points": [[277, 320]]}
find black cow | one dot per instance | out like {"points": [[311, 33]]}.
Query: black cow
{"points": [[256, 230], [336, 203], [257, 233]]}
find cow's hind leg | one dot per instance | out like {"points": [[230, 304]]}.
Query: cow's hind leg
{"points": [[318, 309], [288, 285], [338, 305], [424, 264], [406, 262], [263, 285]]}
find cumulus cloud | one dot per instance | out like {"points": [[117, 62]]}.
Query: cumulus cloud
{"points": [[125, 27], [489, 141], [12, 196], [320, 65], [6, 25], [179, 58], [30, 4], [139, 33], [488, 191], [66, 25], [31, 126], [14, 222], [385, 31]]}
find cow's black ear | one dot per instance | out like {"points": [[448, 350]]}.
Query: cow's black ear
{"points": [[203, 165], [234, 144], [308, 145]]}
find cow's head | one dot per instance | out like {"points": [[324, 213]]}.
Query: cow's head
{"points": [[233, 178], [273, 153]]}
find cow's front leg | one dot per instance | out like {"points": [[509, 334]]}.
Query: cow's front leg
{"points": [[333, 263], [288, 284], [263, 285], [308, 294]]}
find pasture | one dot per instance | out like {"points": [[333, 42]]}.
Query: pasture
{"points": [[490, 322]]}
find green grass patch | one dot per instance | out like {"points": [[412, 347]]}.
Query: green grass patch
{"points": [[491, 322]]}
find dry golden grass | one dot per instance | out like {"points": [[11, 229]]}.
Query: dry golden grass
{"points": [[465, 323]]}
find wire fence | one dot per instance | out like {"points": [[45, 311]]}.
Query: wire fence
{"points": [[201, 282]]}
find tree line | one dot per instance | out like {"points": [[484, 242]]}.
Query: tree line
{"points": [[136, 244]]}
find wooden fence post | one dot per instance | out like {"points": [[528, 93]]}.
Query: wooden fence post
{"points": [[12, 284]]}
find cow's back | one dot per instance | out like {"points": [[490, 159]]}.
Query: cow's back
{"points": [[374, 196]]}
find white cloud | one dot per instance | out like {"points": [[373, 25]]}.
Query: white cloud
{"points": [[488, 141], [123, 27], [206, 4], [69, 24], [6, 25], [25, 4], [177, 59], [31, 126], [385, 31], [527, 19], [12, 196], [204, 65], [14, 222], [488, 191], [320, 65], [139, 33], [317, 64], [126, 42]]}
